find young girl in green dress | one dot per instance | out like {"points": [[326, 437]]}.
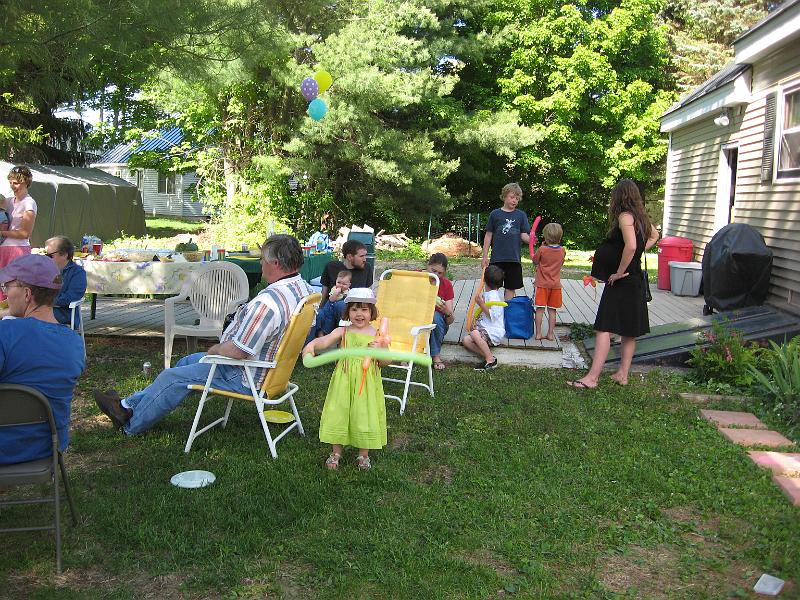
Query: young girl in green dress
{"points": [[355, 408]]}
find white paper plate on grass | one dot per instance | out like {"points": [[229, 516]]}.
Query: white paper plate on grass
{"points": [[193, 479]]}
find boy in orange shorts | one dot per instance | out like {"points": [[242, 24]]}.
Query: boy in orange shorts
{"points": [[550, 258]]}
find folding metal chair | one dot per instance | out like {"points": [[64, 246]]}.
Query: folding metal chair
{"points": [[276, 388], [22, 405], [75, 315], [408, 299]]}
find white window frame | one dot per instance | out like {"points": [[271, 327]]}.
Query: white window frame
{"points": [[784, 90], [169, 178]]}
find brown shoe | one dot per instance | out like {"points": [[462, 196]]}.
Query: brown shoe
{"points": [[109, 402]]}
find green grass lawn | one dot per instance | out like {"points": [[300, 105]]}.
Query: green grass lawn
{"points": [[160, 233], [506, 484]]}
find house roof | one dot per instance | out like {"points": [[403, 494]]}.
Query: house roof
{"points": [[155, 142], [770, 17], [728, 73], [731, 86]]}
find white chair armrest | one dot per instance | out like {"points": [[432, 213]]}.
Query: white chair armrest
{"points": [[420, 328], [75, 303], [234, 304], [237, 362], [176, 299]]}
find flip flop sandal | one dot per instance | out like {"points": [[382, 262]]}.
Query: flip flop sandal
{"points": [[332, 461], [439, 366], [579, 385]]}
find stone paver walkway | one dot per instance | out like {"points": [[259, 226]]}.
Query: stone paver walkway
{"points": [[747, 430], [729, 418]]}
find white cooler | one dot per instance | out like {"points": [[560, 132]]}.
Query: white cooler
{"points": [[685, 277]]}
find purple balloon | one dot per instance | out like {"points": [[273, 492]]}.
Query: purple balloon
{"points": [[309, 88]]}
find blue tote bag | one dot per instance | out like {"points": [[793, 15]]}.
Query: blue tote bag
{"points": [[518, 317]]}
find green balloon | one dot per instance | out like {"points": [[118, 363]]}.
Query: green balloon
{"points": [[309, 360]]}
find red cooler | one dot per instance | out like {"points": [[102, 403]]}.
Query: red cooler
{"points": [[671, 248]]}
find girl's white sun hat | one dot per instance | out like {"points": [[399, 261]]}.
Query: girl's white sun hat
{"points": [[362, 294]]}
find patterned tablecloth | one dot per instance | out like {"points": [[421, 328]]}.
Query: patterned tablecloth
{"points": [[105, 277]]}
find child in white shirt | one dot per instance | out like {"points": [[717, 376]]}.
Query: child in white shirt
{"points": [[490, 327]]}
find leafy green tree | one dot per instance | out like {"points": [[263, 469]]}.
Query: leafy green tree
{"points": [[589, 80], [702, 33]]}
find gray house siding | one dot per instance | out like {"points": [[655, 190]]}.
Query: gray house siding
{"points": [[772, 207], [179, 204]]}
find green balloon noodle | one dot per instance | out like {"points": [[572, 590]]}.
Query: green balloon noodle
{"points": [[309, 360]]}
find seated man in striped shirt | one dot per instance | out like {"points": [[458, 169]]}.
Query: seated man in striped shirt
{"points": [[255, 333]]}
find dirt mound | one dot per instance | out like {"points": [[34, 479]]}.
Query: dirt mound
{"points": [[452, 245]]}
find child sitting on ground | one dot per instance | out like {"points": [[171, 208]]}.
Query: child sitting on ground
{"points": [[355, 411], [489, 328], [550, 258]]}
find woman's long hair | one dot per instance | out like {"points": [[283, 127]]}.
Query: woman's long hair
{"points": [[625, 197]]}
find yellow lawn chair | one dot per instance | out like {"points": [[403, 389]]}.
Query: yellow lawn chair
{"points": [[408, 298], [276, 388]]}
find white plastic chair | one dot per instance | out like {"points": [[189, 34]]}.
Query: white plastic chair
{"points": [[214, 291], [75, 311], [276, 388]]}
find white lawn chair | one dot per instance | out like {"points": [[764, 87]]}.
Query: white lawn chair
{"points": [[214, 292], [75, 311], [276, 388]]}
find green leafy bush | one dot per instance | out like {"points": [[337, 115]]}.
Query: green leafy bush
{"points": [[779, 384], [580, 331], [723, 357], [413, 251]]}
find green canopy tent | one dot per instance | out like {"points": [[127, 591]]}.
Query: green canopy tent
{"points": [[72, 201]]}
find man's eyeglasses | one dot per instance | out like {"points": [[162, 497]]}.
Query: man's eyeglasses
{"points": [[51, 254], [7, 286]]}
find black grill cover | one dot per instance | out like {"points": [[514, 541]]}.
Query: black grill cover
{"points": [[736, 268]]}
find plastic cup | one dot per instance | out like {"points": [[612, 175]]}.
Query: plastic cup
{"points": [[96, 248]]}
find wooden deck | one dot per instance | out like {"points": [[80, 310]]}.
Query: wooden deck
{"points": [[145, 318]]}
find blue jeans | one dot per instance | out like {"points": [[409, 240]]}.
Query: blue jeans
{"points": [[437, 335], [164, 395], [329, 316]]}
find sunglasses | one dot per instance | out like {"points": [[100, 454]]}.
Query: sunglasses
{"points": [[51, 254]]}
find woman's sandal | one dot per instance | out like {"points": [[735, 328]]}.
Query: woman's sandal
{"points": [[332, 461], [363, 462], [439, 365]]}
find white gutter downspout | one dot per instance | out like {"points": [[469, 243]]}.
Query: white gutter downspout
{"points": [[667, 191]]}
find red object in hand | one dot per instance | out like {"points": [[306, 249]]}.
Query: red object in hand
{"points": [[532, 239], [589, 280], [382, 340]]}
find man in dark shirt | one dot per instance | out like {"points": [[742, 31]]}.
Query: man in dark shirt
{"points": [[355, 261]]}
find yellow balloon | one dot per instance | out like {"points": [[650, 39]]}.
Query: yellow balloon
{"points": [[324, 80]]}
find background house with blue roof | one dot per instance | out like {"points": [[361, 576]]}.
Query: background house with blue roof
{"points": [[170, 194]]}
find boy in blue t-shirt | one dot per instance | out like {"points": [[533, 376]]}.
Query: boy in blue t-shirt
{"points": [[506, 229]]}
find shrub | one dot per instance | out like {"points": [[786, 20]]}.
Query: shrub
{"points": [[580, 331], [723, 357], [779, 384], [413, 251]]}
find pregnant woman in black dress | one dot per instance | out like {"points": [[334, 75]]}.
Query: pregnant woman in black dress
{"points": [[617, 261]]}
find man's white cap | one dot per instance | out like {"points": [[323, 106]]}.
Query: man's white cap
{"points": [[361, 294]]}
